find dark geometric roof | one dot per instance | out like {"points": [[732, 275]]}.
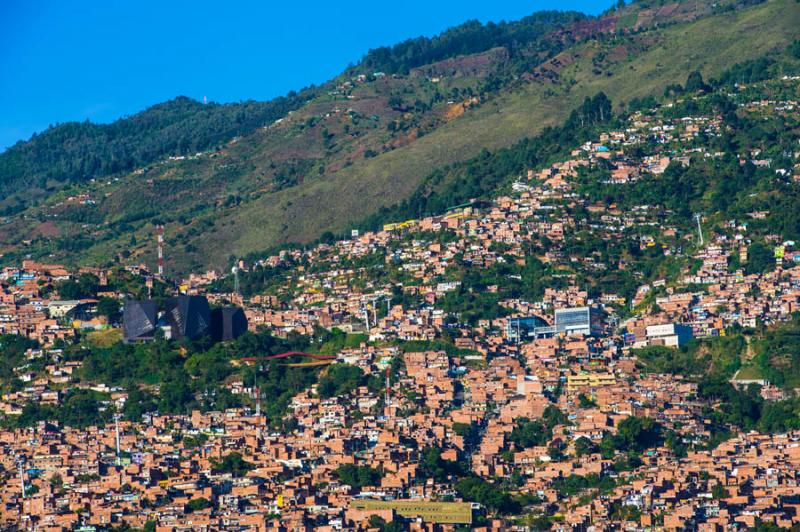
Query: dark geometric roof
{"points": [[138, 320], [228, 323], [189, 316]]}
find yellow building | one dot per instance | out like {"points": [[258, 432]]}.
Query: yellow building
{"points": [[590, 380], [428, 511]]}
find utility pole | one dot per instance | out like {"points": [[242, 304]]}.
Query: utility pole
{"points": [[160, 242], [258, 402], [366, 316], [699, 227], [388, 384], [257, 393], [116, 426], [22, 476], [235, 271]]}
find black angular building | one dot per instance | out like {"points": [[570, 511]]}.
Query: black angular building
{"points": [[188, 316], [139, 321], [182, 317], [227, 323]]}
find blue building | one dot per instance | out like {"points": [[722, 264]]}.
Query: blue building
{"points": [[528, 327], [588, 321]]}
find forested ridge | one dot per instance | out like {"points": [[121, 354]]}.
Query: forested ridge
{"points": [[82, 150], [75, 151], [469, 38]]}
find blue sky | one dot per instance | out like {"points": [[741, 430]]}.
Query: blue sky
{"points": [[103, 59]]}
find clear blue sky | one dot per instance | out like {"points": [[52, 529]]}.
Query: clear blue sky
{"points": [[103, 59]]}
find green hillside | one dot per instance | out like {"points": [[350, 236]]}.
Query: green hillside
{"points": [[362, 143], [75, 152], [710, 45]]}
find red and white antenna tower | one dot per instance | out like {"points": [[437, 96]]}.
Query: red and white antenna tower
{"points": [[160, 240]]}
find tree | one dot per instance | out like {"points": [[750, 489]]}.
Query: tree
{"points": [[625, 512], [528, 433], [13, 348], [718, 492], [396, 103], [555, 452], [794, 49], [478, 490], [594, 111], [469, 431], [573, 484], [175, 396], [583, 446], [634, 434], [766, 526], [84, 286], [109, 307], [760, 259], [358, 476], [695, 83], [468, 38], [138, 403], [673, 90], [339, 379], [81, 408], [201, 503], [234, 464], [585, 401], [432, 465], [56, 482], [552, 416], [376, 521]]}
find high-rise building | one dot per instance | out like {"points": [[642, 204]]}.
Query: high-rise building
{"points": [[580, 320]]}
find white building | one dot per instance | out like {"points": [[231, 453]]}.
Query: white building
{"points": [[669, 335]]}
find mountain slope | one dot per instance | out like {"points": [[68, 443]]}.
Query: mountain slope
{"points": [[370, 183], [79, 151], [367, 141], [75, 151]]}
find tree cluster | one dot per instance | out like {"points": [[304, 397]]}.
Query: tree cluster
{"points": [[468, 38], [79, 151]]}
